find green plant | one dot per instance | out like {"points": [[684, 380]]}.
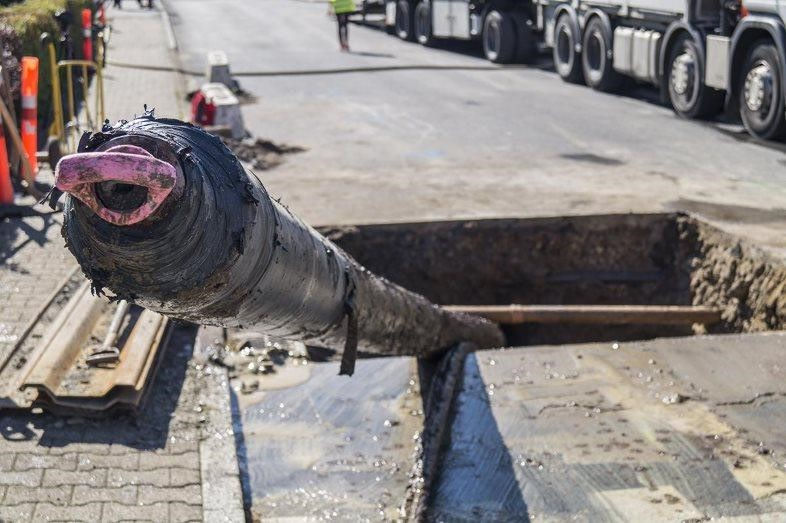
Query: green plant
{"points": [[28, 21]]}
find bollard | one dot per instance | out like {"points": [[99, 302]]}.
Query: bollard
{"points": [[218, 68], [87, 33], [30, 109], [221, 108], [6, 189]]}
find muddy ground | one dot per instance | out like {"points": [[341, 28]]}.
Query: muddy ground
{"points": [[259, 153]]}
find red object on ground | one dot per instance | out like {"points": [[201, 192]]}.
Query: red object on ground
{"points": [[102, 15], [6, 189], [202, 111], [87, 33], [30, 109], [76, 174]]}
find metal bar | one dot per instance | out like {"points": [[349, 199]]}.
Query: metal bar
{"points": [[85, 93], [593, 314], [57, 93], [70, 81], [99, 96]]}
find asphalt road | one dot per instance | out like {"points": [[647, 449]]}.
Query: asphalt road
{"points": [[445, 135]]}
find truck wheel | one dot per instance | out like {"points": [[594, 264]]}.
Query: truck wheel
{"points": [[566, 58], [526, 48], [404, 21], [499, 37], [689, 97], [761, 93], [423, 32], [596, 63]]}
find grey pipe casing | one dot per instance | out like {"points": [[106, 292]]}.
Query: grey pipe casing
{"points": [[227, 254]]}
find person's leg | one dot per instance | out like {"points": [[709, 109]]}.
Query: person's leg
{"points": [[342, 30], [341, 21]]}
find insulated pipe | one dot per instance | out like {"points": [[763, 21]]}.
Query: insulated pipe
{"points": [[164, 215]]}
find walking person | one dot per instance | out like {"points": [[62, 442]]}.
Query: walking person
{"points": [[342, 10]]}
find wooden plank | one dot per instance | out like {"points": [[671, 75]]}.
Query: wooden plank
{"points": [[593, 314]]}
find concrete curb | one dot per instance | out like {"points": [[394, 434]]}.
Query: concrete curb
{"points": [[222, 495], [168, 28]]}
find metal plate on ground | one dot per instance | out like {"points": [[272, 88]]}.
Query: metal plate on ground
{"points": [[671, 429], [57, 376]]}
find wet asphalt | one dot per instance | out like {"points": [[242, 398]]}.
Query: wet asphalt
{"points": [[398, 132]]}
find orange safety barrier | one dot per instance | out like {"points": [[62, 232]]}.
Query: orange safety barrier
{"points": [[87, 33], [30, 109], [6, 189]]}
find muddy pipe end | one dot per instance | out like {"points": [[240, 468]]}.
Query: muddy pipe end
{"points": [[123, 185]]}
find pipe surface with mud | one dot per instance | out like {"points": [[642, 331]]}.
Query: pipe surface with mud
{"points": [[164, 215]]}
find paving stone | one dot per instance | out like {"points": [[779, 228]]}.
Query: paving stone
{"points": [[7, 461], [157, 512], [180, 512], [191, 494], [95, 478], [49, 512], [181, 477], [26, 461], [17, 495], [187, 460], [81, 448], [28, 478], [86, 494], [128, 461], [16, 513], [156, 478]]}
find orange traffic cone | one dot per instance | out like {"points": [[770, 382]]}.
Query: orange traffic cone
{"points": [[87, 33], [6, 189], [30, 109]]}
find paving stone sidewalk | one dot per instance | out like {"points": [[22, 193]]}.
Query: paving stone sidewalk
{"points": [[174, 460]]}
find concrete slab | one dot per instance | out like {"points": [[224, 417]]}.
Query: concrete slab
{"points": [[318, 445], [670, 429]]}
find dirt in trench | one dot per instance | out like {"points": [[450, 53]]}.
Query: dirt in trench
{"points": [[259, 153], [745, 282]]}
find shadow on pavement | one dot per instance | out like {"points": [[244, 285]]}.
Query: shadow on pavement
{"points": [[476, 477], [18, 227]]}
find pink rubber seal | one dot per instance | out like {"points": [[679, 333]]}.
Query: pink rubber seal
{"points": [[78, 173]]}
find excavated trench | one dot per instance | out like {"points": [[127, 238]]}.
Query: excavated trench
{"points": [[632, 259]]}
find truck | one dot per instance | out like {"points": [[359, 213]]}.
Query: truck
{"points": [[705, 56]]}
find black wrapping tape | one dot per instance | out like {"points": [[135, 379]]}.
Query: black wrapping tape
{"points": [[224, 253]]}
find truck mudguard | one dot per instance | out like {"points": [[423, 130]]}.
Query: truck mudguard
{"points": [[672, 32], [574, 20], [740, 40], [605, 20]]}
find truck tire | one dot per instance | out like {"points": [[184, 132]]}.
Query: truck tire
{"points": [[526, 48], [689, 97], [422, 19], [596, 62], [499, 37], [405, 23], [761, 92], [567, 59]]}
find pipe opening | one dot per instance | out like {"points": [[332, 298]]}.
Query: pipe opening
{"points": [[121, 197]]}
